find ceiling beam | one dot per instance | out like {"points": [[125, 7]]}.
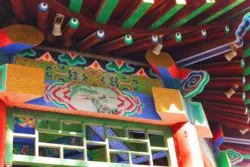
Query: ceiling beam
{"points": [[190, 11], [225, 69], [75, 5], [222, 11], [115, 44], [241, 9], [105, 10], [91, 40], [170, 10], [137, 13], [19, 10], [222, 107], [220, 97]]}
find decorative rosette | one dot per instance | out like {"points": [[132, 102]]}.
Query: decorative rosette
{"points": [[194, 83], [234, 157]]}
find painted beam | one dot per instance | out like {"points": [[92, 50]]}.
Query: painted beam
{"points": [[222, 11], [204, 5], [241, 9], [75, 5], [169, 12], [136, 14], [19, 10], [105, 10], [138, 46], [207, 50], [91, 40]]}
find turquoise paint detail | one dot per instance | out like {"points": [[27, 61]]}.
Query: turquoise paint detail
{"points": [[72, 61], [27, 53], [122, 68]]}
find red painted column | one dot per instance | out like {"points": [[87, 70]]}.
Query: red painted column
{"points": [[3, 118], [187, 145]]}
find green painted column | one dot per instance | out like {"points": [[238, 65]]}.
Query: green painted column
{"points": [[105, 10], [137, 14]]}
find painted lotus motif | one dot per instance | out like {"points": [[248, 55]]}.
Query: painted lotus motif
{"points": [[93, 99]]}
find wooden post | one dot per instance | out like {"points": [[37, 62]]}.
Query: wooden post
{"points": [[187, 145], [3, 116]]}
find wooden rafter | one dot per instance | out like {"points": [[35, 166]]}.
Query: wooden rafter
{"points": [[105, 10], [218, 9], [192, 10], [169, 10], [136, 12]]}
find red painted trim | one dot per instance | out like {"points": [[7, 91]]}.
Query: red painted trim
{"points": [[3, 116], [186, 143]]}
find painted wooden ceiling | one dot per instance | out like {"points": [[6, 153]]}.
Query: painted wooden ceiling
{"points": [[144, 20]]}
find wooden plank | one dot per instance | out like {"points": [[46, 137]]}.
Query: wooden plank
{"points": [[105, 10], [222, 11], [170, 11], [75, 5], [188, 14], [136, 14], [21, 83]]}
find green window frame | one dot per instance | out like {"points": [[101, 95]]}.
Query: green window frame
{"points": [[61, 119]]}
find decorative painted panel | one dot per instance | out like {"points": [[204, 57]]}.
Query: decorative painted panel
{"points": [[93, 75], [74, 59], [79, 97]]}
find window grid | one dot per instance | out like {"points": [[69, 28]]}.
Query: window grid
{"points": [[105, 143]]}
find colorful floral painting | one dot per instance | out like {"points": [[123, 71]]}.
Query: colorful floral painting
{"points": [[93, 99]]}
